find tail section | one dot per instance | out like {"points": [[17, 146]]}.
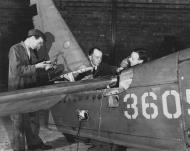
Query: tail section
{"points": [[64, 49]]}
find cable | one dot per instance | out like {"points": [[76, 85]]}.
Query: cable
{"points": [[78, 134]]}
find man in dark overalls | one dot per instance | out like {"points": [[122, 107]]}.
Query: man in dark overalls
{"points": [[23, 69]]}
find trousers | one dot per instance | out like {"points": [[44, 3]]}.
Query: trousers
{"points": [[25, 130]]}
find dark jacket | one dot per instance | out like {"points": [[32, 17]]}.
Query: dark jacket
{"points": [[104, 70], [22, 72]]}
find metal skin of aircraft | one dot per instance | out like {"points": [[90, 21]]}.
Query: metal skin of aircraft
{"points": [[146, 108], [151, 113]]}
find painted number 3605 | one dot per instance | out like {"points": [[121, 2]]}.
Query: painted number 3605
{"points": [[132, 111]]}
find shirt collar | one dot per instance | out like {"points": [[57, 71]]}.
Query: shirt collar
{"points": [[95, 67]]}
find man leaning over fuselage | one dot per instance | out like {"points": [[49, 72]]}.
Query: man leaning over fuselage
{"points": [[136, 57], [99, 69]]}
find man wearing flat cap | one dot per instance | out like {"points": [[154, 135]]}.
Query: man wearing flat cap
{"points": [[23, 68]]}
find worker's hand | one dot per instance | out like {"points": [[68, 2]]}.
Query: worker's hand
{"points": [[48, 66], [125, 63], [119, 69], [48, 62], [81, 69], [44, 65], [40, 65]]}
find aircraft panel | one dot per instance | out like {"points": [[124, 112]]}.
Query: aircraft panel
{"points": [[44, 97], [160, 71], [156, 125], [184, 54], [184, 83], [65, 114], [148, 111], [145, 115]]}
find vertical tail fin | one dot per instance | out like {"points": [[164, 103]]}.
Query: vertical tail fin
{"points": [[65, 48]]}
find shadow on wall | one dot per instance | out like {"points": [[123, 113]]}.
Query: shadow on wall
{"points": [[43, 54]]}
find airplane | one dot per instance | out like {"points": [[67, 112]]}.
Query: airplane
{"points": [[149, 110], [146, 107]]}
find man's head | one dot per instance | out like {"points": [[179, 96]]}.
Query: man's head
{"points": [[95, 56], [136, 57], [36, 39]]}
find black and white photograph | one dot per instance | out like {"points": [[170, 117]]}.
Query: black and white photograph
{"points": [[95, 75]]}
